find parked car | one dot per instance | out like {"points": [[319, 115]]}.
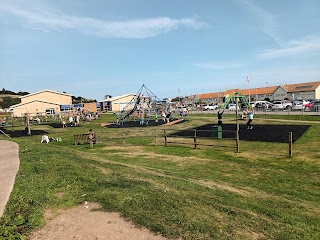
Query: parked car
{"points": [[281, 105], [262, 105], [297, 105], [316, 106], [308, 106], [232, 106], [277, 105], [210, 107]]}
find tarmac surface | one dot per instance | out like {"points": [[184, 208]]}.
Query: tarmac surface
{"points": [[9, 166]]}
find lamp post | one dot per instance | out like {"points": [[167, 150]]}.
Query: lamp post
{"points": [[179, 96], [249, 89]]}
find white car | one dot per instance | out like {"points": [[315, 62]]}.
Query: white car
{"points": [[277, 105], [280, 105], [210, 107], [232, 106]]}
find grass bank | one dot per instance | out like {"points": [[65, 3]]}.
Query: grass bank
{"points": [[178, 192]]}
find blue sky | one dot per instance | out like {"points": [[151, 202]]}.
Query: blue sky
{"points": [[174, 47]]}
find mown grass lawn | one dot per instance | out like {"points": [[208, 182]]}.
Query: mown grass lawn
{"points": [[177, 191]]}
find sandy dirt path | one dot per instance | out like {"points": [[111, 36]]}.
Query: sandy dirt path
{"points": [[81, 223]]}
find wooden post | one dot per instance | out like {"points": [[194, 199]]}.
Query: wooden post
{"points": [[290, 144], [237, 142], [155, 134], [195, 139], [28, 124], [12, 116], [165, 137]]}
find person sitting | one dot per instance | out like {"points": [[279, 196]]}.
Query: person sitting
{"points": [[244, 115], [92, 136], [45, 138]]}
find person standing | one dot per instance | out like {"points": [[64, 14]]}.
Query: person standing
{"points": [[220, 117], [142, 118], [64, 122], [117, 117], [250, 118]]}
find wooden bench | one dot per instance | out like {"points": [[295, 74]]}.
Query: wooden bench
{"points": [[80, 137], [84, 138]]}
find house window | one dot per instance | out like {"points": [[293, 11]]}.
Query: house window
{"points": [[50, 111], [65, 108]]}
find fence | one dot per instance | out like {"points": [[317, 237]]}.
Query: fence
{"points": [[193, 138], [315, 112]]}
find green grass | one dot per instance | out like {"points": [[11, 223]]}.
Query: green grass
{"points": [[179, 192]]}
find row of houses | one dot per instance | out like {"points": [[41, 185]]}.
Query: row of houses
{"points": [[309, 90], [52, 102]]}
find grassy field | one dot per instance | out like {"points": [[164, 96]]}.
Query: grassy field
{"points": [[177, 191]]}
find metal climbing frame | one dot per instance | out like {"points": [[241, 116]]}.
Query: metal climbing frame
{"points": [[238, 95], [145, 101]]}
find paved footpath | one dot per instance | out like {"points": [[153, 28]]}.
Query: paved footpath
{"points": [[9, 165]]}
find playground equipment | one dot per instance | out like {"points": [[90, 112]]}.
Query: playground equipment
{"points": [[145, 102], [236, 96]]}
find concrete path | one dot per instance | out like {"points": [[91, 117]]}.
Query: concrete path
{"points": [[9, 165]]}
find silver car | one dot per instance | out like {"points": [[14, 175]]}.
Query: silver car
{"points": [[297, 105], [277, 105]]}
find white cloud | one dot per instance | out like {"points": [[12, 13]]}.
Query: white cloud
{"points": [[131, 29], [267, 20], [308, 45], [219, 65]]}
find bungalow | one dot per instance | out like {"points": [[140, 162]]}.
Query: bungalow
{"points": [[117, 103], [45, 101]]}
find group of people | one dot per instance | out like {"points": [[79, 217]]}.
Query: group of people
{"points": [[73, 121], [143, 117], [247, 114], [167, 117]]}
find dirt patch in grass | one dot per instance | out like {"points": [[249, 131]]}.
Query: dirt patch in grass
{"points": [[138, 151], [59, 195], [224, 186], [82, 223]]}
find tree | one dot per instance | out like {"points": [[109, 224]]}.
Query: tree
{"points": [[9, 101]]}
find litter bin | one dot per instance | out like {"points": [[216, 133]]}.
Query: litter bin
{"points": [[216, 131]]}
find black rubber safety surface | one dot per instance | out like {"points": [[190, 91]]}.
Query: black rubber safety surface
{"points": [[259, 133], [22, 133], [137, 124]]}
